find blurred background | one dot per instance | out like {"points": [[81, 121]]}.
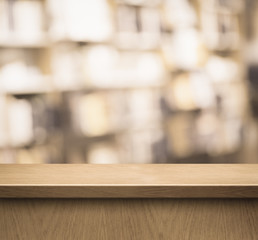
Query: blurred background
{"points": [[128, 81]]}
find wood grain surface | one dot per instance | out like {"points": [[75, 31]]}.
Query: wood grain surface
{"points": [[129, 181], [122, 219]]}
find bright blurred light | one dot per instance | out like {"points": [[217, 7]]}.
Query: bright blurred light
{"points": [[222, 69]]}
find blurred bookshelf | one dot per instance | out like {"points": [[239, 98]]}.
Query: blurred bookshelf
{"points": [[127, 81]]}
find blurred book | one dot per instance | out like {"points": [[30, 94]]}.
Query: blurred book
{"points": [[20, 122], [80, 20], [142, 146], [92, 114], [138, 28], [181, 136], [66, 67], [106, 67], [222, 69], [184, 49], [102, 153], [143, 108], [3, 123], [28, 20], [22, 22], [190, 91], [220, 24], [150, 35], [19, 72]]}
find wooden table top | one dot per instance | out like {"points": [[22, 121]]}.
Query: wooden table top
{"points": [[129, 181]]}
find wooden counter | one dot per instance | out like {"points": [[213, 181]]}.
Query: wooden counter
{"points": [[158, 201], [129, 181]]}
